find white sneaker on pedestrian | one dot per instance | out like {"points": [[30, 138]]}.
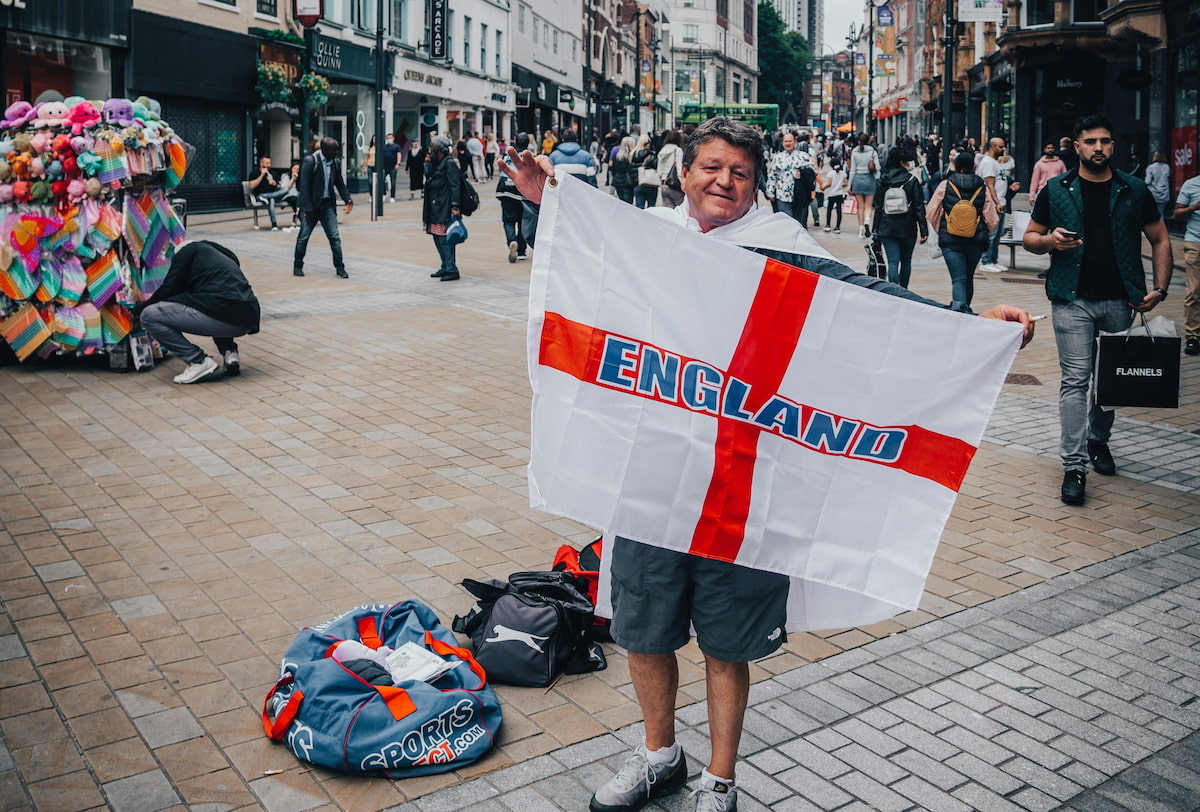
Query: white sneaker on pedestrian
{"points": [[391, 200], [512, 251], [274, 228], [720, 797], [233, 366], [639, 781], [992, 267], [202, 371]]}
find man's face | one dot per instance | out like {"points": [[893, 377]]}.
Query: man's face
{"points": [[1048, 151], [264, 163], [1095, 148], [329, 151], [789, 142], [720, 184], [997, 147]]}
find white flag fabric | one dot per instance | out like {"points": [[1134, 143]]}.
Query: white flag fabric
{"points": [[696, 396]]}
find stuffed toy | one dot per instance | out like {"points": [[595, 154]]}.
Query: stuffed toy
{"points": [[54, 170], [61, 144], [6, 192], [22, 142], [70, 167], [41, 141], [76, 190], [19, 163], [83, 114], [6, 172], [58, 188], [151, 105], [42, 192], [51, 114], [94, 187], [89, 163], [18, 114], [37, 168], [118, 111], [6, 146], [23, 191], [81, 144]]}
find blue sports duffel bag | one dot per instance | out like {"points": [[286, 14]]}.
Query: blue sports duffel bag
{"points": [[327, 714]]}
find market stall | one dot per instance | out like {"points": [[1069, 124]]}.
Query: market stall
{"points": [[88, 229]]}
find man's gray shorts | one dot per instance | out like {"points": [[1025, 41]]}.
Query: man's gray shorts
{"points": [[657, 595]]}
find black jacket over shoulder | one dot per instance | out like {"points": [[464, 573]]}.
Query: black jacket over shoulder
{"points": [[901, 225], [312, 182], [206, 276], [442, 192]]}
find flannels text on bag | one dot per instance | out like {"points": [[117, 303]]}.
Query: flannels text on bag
{"points": [[349, 714], [532, 629]]}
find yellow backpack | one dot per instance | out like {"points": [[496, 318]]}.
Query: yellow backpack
{"points": [[962, 220]]}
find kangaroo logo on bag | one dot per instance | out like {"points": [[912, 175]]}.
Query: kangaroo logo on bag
{"points": [[430, 710]]}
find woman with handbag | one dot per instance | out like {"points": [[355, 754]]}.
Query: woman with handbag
{"points": [[864, 165], [670, 164], [645, 159], [622, 170], [440, 206], [900, 213]]}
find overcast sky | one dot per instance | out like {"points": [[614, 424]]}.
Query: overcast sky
{"points": [[838, 16]]}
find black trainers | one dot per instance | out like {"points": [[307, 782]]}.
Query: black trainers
{"points": [[1192, 345], [638, 782], [1102, 459], [1073, 487]]}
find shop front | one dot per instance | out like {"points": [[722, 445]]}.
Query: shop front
{"points": [[430, 98], [348, 114], [212, 114], [51, 53], [278, 119], [551, 104]]}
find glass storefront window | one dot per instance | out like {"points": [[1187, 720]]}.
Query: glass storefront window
{"points": [[1039, 12], [38, 65]]}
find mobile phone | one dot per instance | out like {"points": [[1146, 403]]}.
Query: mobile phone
{"points": [[1070, 235]]}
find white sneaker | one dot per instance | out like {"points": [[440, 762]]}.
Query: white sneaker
{"points": [[512, 251], [274, 228], [391, 200], [233, 366], [195, 373], [992, 267]]}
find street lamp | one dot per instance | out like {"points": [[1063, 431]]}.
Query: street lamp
{"points": [[852, 44], [947, 77]]}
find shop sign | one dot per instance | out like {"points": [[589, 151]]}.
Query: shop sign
{"points": [[343, 60], [287, 59], [290, 109], [884, 17], [437, 29], [1183, 155], [422, 78], [103, 22], [308, 12], [502, 98]]}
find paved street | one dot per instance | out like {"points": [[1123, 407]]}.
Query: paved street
{"points": [[161, 545]]}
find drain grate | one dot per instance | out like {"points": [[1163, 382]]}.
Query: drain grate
{"points": [[1021, 281], [1022, 380]]}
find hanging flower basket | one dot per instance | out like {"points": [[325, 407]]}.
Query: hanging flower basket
{"points": [[315, 88], [272, 84]]}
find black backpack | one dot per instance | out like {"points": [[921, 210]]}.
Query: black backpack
{"points": [[468, 198], [532, 629]]}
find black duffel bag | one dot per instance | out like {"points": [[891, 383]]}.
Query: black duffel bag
{"points": [[532, 629]]}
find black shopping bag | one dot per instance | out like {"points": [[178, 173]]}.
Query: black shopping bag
{"points": [[1137, 371]]}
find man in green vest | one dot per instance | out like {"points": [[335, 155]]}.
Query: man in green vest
{"points": [[1091, 220]]}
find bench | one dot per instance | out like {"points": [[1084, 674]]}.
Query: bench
{"points": [[252, 202], [1014, 234]]}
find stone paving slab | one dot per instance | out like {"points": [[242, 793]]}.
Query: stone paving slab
{"points": [[160, 546]]}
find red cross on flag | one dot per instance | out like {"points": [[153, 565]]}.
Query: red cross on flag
{"points": [[696, 396]]}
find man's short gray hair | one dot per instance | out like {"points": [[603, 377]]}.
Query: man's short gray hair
{"points": [[732, 132]]}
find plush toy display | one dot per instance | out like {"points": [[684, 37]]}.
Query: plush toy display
{"points": [[83, 202]]}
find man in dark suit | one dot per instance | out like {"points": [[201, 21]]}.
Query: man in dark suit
{"points": [[320, 180]]}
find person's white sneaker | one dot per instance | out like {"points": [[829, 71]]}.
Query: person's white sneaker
{"points": [[274, 228], [198, 372], [233, 366], [992, 267], [391, 200]]}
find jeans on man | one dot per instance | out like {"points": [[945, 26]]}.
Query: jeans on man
{"points": [[1076, 326], [529, 221], [168, 321], [271, 197], [326, 215], [645, 196], [784, 206], [961, 261], [899, 251], [391, 182], [446, 252], [992, 253], [800, 210]]}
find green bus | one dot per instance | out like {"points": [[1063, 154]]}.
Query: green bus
{"points": [[765, 114]]}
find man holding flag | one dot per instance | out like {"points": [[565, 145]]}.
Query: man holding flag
{"points": [[657, 593]]}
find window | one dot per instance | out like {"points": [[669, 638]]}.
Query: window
{"points": [[483, 38], [450, 34], [1039, 12], [556, 40], [691, 32], [737, 90], [746, 91], [574, 50], [399, 21], [267, 7], [466, 41], [1087, 11], [499, 50], [521, 18], [748, 15], [546, 34], [536, 29]]}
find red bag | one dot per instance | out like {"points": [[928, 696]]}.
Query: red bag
{"points": [[585, 566]]}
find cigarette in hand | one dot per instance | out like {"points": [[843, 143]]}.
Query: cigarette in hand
{"points": [[1037, 318]]}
